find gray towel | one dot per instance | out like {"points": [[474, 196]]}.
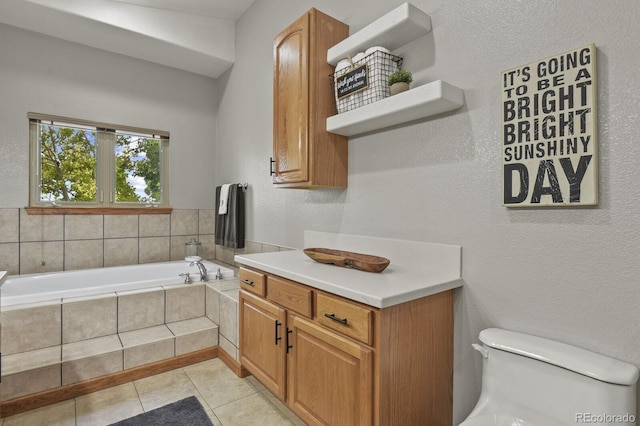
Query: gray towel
{"points": [[230, 226]]}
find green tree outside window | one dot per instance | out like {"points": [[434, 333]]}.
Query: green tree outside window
{"points": [[70, 164]]}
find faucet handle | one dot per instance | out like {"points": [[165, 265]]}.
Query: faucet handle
{"points": [[187, 278]]}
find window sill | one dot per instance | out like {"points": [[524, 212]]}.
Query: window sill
{"points": [[97, 210]]}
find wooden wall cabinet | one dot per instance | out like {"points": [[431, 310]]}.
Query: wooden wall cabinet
{"points": [[335, 361], [305, 155]]}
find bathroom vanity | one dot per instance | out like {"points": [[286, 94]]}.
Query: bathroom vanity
{"points": [[346, 347]]}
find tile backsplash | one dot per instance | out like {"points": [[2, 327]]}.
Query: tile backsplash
{"points": [[49, 243]]}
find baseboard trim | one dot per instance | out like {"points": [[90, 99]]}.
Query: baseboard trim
{"points": [[232, 364], [52, 396]]}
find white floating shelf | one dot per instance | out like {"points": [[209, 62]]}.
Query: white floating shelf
{"points": [[420, 102], [393, 30]]}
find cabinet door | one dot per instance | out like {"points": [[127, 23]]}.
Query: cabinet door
{"points": [[330, 377], [262, 342], [291, 103]]}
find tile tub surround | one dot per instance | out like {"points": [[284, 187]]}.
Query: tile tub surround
{"points": [[48, 243], [222, 308], [49, 345]]}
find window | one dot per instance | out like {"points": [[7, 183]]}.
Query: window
{"points": [[75, 163]]}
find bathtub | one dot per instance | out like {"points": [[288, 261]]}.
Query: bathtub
{"points": [[32, 288]]}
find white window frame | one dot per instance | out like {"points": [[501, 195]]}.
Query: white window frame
{"points": [[105, 163]]}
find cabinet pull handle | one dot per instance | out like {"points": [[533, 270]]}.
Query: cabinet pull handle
{"points": [[336, 319], [278, 338], [289, 331], [247, 282], [271, 163]]}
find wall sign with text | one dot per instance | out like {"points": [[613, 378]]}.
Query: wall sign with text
{"points": [[549, 131], [353, 81]]}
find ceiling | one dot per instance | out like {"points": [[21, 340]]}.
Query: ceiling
{"points": [[192, 35], [223, 9]]}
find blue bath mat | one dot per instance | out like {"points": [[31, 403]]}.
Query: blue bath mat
{"points": [[186, 412]]}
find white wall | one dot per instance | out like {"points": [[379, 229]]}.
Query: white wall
{"points": [[567, 274], [50, 76]]}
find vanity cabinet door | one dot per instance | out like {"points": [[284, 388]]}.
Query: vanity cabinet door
{"points": [[330, 378], [263, 341]]}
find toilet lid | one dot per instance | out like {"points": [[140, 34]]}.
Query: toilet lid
{"points": [[499, 419]]}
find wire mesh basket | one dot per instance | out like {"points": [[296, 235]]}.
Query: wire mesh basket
{"points": [[364, 81]]}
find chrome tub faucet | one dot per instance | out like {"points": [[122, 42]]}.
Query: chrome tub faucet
{"points": [[203, 270]]}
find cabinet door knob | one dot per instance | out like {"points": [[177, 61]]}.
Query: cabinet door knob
{"points": [[336, 319], [247, 282], [271, 163]]}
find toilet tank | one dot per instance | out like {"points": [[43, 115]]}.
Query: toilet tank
{"points": [[530, 376]]}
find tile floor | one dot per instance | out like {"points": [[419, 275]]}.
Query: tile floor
{"points": [[227, 399]]}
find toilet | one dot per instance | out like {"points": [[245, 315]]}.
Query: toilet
{"points": [[531, 381]]}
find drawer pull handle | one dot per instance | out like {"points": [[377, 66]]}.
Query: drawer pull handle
{"points": [[247, 282], [336, 319]]}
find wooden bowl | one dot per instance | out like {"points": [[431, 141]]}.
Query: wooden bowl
{"points": [[348, 259]]}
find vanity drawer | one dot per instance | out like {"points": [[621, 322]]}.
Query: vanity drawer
{"points": [[290, 295], [346, 317], [253, 281]]}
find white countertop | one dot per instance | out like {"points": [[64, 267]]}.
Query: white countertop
{"points": [[396, 284]]}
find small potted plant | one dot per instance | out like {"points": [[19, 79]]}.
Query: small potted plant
{"points": [[399, 81]]}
